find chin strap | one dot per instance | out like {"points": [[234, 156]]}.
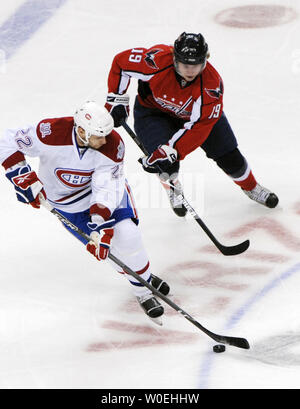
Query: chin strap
{"points": [[87, 136]]}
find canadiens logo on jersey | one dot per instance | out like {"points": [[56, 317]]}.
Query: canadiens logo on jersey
{"points": [[217, 92], [74, 178], [150, 58]]}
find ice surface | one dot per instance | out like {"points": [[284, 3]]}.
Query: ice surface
{"points": [[67, 321]]}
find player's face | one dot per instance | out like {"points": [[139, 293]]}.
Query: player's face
{"points": [[189, 72], [95, 142]]}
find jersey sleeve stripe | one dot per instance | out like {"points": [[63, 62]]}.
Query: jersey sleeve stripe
{"points": [[125, 76], [131, 200], [147, 74], [124, 82], [13, 160]]}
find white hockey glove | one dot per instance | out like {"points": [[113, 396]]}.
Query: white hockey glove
{"points": [[118, 107]]}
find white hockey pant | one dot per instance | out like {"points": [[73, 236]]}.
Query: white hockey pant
{"points": [[127, 246]]}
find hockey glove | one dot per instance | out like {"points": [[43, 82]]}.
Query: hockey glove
{"points": [[164, 156], [27, 185], [101, 236], [118, 107]]}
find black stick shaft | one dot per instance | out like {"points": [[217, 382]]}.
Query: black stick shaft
{"points": [[226, 250], [234, 341]]}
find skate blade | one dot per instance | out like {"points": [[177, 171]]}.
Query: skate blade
{"points": [[157, 320]]}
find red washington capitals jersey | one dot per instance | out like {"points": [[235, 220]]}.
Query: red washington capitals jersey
{"points": [[199, 103]]}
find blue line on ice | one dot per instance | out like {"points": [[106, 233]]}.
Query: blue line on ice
{"points": [[24, 22], [205, 371]]}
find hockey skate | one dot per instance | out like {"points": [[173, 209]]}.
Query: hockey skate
{"points": [[263, 196], [175, 201], [151, 307], [160, 285]]}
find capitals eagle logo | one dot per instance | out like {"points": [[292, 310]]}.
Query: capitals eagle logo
{"points": [[149, 59], [216, 93]]}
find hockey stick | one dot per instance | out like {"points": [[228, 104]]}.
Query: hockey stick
{"points": [[226, 250], [234, 341]]}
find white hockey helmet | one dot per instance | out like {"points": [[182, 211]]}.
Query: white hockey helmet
{"points": [[94, 119]]}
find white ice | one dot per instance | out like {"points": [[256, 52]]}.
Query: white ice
{"points": [[68, 321]]}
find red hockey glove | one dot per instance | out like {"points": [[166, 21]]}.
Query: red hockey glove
{"points": [[164, 156], [118, 107], [27, 185], [101, 237]]}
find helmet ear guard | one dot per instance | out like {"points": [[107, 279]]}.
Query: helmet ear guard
{"points": [[94, 120]]}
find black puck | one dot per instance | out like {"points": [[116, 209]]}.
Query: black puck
{"points": [[219, 348]]}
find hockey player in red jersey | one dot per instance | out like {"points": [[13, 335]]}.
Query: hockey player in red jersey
{"points": [[179, 107], [81, 175]]}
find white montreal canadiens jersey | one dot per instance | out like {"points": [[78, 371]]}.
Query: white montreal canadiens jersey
{"points": [[74, 179]]}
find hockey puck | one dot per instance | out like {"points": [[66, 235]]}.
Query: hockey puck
{"points": [[219, 348]]}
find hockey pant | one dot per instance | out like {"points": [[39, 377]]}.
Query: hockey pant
{"points": [[154, 128], [126, 245]]}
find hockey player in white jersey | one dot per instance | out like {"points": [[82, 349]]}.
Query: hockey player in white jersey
{"points": [[81, 175]]}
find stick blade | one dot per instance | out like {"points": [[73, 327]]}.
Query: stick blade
{"points": [[223, 339], [234, 250], [234, 341]]}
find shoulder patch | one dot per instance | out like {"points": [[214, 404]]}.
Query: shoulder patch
{"points": [[150, 58], [114, 148], [56, 131], [215, 92], [159, 56], [212, 83]]}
